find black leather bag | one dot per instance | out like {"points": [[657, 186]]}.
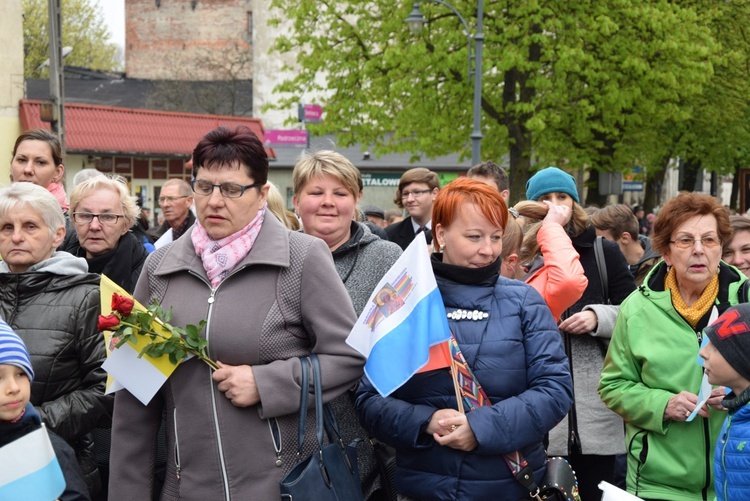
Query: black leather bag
{"points": [[560, 482], [330, 473]]}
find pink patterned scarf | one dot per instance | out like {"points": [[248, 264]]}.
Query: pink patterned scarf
{"points": [[221, 256], [58, 191]]}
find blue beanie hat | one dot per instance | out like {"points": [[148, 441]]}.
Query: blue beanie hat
{"points": [[550, 180], [13, 351]]}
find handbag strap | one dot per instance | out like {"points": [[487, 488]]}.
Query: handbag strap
{"points": [[473, 396], [318, 384], [601, 266], [305, 390]]}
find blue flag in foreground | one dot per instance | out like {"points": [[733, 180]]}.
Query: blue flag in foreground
{"points": [[404, 317], [30, 469]]}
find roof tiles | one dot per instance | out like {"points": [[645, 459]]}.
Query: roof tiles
{"points": [[113, 130]]}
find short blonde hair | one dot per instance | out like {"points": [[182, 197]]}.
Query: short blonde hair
{"points": [[326, 162], [118, 184], [29, 195]]}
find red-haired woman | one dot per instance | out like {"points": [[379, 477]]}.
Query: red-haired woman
{"points": [[511, 343]]}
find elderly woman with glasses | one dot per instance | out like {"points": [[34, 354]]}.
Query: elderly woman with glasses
{"points": [[103, 212], [52, 302], [650, 374], [268, 295]]}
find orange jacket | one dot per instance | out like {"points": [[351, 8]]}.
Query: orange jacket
{"points": [[560, 281]]}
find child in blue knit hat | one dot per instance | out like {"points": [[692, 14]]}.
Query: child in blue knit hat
{"points": [[727, 363], [18, 417]]}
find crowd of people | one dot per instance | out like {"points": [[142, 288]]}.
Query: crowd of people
{"points": [[588, 332]]}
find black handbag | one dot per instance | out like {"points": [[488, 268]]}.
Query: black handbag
{"points": [[560, 482], [329, 473], [385, 455]]}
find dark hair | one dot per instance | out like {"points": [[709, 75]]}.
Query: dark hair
{"points": [[416, 175], [44, 136], [681, 208], [490, 170], [616, 219], [223, 147]]}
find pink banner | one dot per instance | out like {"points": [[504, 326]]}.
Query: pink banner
{"points": [[313, 113], [281, 138]]}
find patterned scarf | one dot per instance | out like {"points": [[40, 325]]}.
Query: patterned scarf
{"points": [[219, 257], [58, 191], [692, 314]]}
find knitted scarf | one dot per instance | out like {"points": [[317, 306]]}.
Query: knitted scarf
{"points": [[58, 191], [692, 314], [219, 257]]}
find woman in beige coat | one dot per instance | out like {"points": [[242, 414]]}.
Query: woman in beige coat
{"points": [[269, 296]]}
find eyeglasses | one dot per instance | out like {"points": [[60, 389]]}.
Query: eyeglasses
{"points": [[416, 193], [163, 200], [688, 242], [229, 190], [106, 218]]}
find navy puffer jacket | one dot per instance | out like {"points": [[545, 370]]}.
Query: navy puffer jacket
{"points": [[518, 358]]}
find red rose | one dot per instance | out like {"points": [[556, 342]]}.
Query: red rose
{"points": [[107, 322], [122, 305]]}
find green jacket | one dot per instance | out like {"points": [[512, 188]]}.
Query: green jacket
{"points": [[652, 357]]}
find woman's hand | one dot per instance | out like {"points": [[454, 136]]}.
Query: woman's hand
{"points": [[558, 214], [681, 406], [582, 322], [237, 382], [451, 429], [717, 395]]}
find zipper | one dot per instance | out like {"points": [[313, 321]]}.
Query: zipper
{"points": [[176, 445], [222, 459], [273, 428]]}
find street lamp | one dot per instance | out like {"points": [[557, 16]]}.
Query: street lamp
{"points": [[416, 21]]}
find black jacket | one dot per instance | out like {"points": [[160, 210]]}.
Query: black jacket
{"points": [[122, 264], [402, 233], [55, 311]]}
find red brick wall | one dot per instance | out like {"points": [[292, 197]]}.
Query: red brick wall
{"points": [[176, 41]]}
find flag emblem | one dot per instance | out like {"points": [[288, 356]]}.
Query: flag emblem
{"points": [[389, 299]]}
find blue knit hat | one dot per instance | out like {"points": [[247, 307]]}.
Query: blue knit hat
{"points": [[550, 180], [13, 351]]}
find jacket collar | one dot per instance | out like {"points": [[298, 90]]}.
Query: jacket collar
{"points": [[273, 237], [586, 238]]}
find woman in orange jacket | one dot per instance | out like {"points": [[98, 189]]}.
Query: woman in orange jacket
{"points": [[548, 262]]}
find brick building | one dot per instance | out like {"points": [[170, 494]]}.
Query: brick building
{"points": [[188, 39]]}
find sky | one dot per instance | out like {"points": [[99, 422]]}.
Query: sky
{"points": [[114, 17]]}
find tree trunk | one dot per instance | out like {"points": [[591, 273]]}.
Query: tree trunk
{"points": [[654, 183], [734, 198], [690, 167], [516, 89]]}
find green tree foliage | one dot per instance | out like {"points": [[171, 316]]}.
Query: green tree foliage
{"points": [[83, 29], [604, 84]]}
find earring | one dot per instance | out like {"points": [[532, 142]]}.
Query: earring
{"points": [[442, 247]]}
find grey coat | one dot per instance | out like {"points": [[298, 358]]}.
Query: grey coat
{"points": [[362, 261], [283, 300]]}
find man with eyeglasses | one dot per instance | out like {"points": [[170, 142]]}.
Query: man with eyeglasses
{"points": [[417, 190], [175, 201]]}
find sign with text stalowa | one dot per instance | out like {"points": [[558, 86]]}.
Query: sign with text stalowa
{"points": [[285, 138]]}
